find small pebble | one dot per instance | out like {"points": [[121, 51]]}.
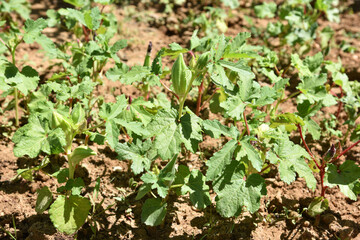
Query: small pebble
{"points": [[306, 223], [117, 169]]}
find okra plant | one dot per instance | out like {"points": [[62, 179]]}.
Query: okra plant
{"points": [[17, 80], [246, 86]]}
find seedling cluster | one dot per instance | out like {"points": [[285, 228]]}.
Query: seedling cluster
{"points": [[245, 88]]}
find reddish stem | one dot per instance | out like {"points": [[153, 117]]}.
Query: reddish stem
{"points": [[169, 90], [208, 100], [246, 124], [307, 148], [265, 168], [320, 167], [347, 150], [322, 174], [87, 140], [86, 34], [191, 53], [277, 71], [201, 88]]}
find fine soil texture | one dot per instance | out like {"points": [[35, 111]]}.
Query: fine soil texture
{"points": [[282, 214]]}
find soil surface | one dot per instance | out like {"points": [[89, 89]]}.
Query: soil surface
{"points": [[282, 214]]}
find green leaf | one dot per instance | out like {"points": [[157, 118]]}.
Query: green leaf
{"points": [[234, 107], [190, 129], [164, 127], [49, 46], [135, 74], [62, 175], [92, 18], [313, 89], [219, 78], [112, 133], [199, 191], [238, 193], [252, 155], [118, 45], [355, 135], [36, 137], [136, 153], [231, 3], [33, 29], [153, 212], [76, 14], [111, 111], [290, 121], [143, 190], [26, 80], [117, 72], [76, 3], [137, 111], [69, 214], [291, 161], [167, 174], [174, 50], [78, 114], [182, 177], [347, 173], [215, 129], [27, 173], [75, 186], [352, 190], [135, 127], [161, 182], [43, 200], [265, 10], [22, 7], [80, 153], [216, 164], [299, 65], [318, 206], [244, 71]]}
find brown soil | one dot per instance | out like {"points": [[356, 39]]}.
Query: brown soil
{"points": [[278, 218]]}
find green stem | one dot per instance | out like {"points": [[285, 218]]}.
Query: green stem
{"points": [[16, 107], [182, 101], [16, 93], [176, 186], [97, 126], [71, 167], [246, 123], [181, 106]]}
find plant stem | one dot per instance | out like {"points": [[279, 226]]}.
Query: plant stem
{"points": [[307, 148], [322, 174], [347, 150], [181, 106], [169, 90], [199, 98], [71, 166], [265, 168], [16, 93], [16, 107], [209, 98], [176, 186], [246, 124], [96, 126], [277, 71], [193, 77]]}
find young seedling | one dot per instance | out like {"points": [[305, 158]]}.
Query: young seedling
{"points": [[346, 176]]}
